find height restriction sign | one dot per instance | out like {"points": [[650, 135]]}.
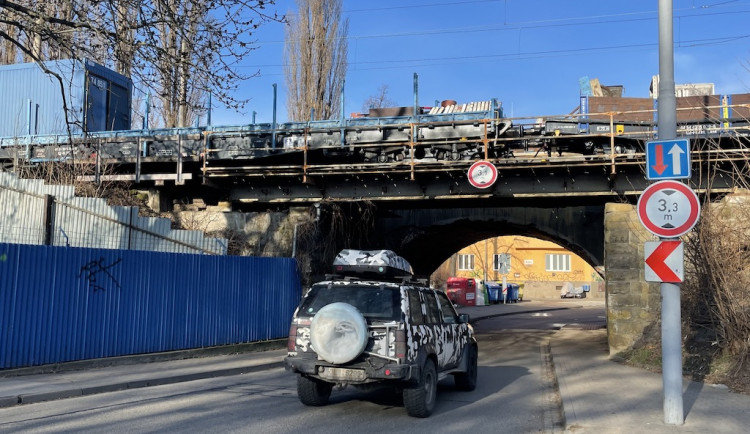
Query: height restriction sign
{"points": [[482, 174], [668, 208]]}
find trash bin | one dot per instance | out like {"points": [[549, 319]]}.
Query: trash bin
{"points": [[461, 291], [493, 288], [481, 292], [462, 296], [512, 293]]}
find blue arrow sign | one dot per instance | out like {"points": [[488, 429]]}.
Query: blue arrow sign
{"points": [[668, 159]]}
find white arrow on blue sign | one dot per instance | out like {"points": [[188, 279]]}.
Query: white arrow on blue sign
{"points": [[668, 159]]}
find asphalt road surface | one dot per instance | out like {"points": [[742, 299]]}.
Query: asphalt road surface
{"points": [[514, 394], [548, 316]]}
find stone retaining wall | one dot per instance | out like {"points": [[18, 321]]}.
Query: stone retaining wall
{"points": [[632, 303]]}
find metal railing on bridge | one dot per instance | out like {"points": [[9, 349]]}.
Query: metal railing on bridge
{"points": [[396, 145]]}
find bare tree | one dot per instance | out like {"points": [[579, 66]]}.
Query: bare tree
{"points": [[446, 270], [31, 31], [174, 72], [316, 50], [180, 49], [379, 100], [9, 53], [124, 22], [482, 259]]}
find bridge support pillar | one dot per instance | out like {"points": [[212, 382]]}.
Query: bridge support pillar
{"points": [[158, 201], [633, 305]]}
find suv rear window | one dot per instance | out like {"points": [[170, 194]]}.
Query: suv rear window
{"points": [[374, 302]]}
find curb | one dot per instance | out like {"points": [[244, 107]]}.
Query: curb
{"points": [[134, 359], [31, 398], [554, 411]]}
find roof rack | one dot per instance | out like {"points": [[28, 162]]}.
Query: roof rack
{"points": [[380, 264], [369, 277]]}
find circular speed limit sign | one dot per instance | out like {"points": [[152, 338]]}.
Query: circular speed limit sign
{"points": [[482, 174], [668, 208]]}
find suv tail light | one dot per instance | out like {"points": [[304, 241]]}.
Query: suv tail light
{"points": [[401, 345], [292, 340]]}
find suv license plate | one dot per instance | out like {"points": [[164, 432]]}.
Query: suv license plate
{"points": [[341, 374]]}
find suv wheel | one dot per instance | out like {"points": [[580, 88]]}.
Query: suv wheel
{"points": [[468, 380], [420, 400], [313, 392]]}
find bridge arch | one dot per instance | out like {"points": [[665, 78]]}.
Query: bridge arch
{"points": [[427, 236]]}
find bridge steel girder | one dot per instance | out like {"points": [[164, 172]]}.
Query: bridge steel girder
{"points": [[591, 184], [436, 187]]}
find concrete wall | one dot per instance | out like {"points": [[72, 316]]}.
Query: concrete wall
{"points": [[632, 303], [540, 290]]}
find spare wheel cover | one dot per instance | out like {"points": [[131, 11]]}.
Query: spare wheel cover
{"points": [[338, 333]]}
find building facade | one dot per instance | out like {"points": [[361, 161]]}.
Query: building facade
{"points": [[544, 269]]}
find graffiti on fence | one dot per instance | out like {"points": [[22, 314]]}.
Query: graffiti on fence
{"points": [[95, 270]]}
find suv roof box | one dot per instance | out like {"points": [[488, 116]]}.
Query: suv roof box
{"points": [[367, 263]]}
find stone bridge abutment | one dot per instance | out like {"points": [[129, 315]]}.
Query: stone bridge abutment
{"points": [[632, 304]]}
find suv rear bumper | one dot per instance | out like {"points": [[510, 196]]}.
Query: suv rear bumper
{"points": [[387, 372]]}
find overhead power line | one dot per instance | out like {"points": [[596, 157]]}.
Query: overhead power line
{"points": [[422, 5], [543, 53], [527, 25]]}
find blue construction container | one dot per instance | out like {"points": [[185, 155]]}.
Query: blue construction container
{"points": [[98, 99]]}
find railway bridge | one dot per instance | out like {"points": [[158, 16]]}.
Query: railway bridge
{"points": [[401, 182]]}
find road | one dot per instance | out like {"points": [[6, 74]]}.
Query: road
{"points": [[514, 394], [551, 315]]}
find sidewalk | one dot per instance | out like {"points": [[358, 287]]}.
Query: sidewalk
{"points": [[27, 389], [598, 395]]}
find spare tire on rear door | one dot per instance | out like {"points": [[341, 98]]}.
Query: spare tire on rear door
{"points": [[338, 333]]}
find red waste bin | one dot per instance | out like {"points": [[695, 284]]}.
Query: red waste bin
{"points": [[462, 291]]}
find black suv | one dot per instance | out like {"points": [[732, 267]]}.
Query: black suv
{"points": [[372, 323]]}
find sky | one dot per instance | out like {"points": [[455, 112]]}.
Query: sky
{"points": [[529, 54]]}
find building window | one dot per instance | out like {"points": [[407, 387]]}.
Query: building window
{"points": [[501, 263], [557, 262], [465, 262]]}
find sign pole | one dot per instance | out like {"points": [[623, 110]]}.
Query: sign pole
{"points": [[671, 320], [671, 353]]}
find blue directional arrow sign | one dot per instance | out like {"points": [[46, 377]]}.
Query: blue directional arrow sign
{"points": [[668, 159]]}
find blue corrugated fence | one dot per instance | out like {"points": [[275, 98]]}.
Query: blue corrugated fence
{"points": [[61, 304]]}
